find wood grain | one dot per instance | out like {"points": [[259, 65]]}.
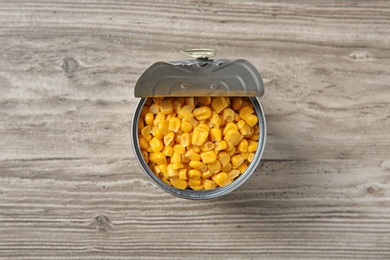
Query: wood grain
{"points": [[69, 183]]}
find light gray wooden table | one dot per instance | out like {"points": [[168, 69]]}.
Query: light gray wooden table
{"points": [[69, 183]]}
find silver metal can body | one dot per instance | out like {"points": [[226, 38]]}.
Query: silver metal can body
{"points": [[202, 194]]}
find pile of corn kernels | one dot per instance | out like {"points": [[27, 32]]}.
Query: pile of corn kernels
{"points": [[198, 143]]}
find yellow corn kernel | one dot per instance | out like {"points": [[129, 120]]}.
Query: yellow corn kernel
{"points": [[169, 116], [178, 183], [156, 133], [144, 111], [194, 174], [176, 157], [185, 111], [233, 174], [215, 134], [179, 149], [166, 181], [242, 168], [236, 160], [163, 127], [186, 126], [146, 130], [154, 108], [149, 150], [164, 169], [194, 182], [252, 146], [194, 148], [227, 167], [224, 158], [250, 157], [149, 118], [206, 174], [141, 123], [209, 185], [148, 101], [215, 120], [251, 120], [190, 101], [245, 111], [145, 155], [169, 138], [207, 146], [219, 104], [202, 113], [156, 170], [193, 156], [158, 100], [158, 118], [229, 126], [148, 137], [168, 151], [232, 151], [254, 137], [245, 156], [243, 146], [219, 146], [191, 120], [185, 139], [214, 167], [177, 104], [177, 136], [240, 124], [174, 124], [158, 158], [256, 129], [177, 165], [208, 157], [184, 159], [204, 126], [183, 174], [246, 130], [143, 143], [172, 173], [197, 165], [228, 115], [166, 106], [199, 187], [232, 136], [237, 117], [199, 136], [237, 103], [156, 144], [204, 100], [222, 179]]}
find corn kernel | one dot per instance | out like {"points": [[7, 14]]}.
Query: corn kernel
{"points": [[208, 157], [179, 149], [177, 165], [172, 173], [174, 124], [156, 144], [232, 151], [197, 187], [204, 100], [186, 126], [204, 126], [145, 155], [166, 106], [237, 117], [236, 160], [169, 138], [157, 100], [207, 174], [227, 167], [232, 136], [237, 103], [158, 118], [199, 136], [224, 158], [177, 105], [149, 118], [194, 182], [185, 139], [254, 137], [148, 137], [176, 157], [163, 127], [219, 104], [219, 146], [156, 170], [246, 130], [192, 121], [164, 169], [215, 120], [229, 126], [194, 174], [209, 185], [143, 143], [194, 148], [214, 167], [178, 183], [222, 179], [185, 111], [183, 174], [197, 165], [245, 156], [228, 115], [242, 168], [215, 134], [252, 146], [168, 151], [177, 136], [190, 101], [243, 146], [251, 120], [154, 109], [245, 111], [250, 157], [207, 146], [144, 111], [158, 158], [202, 113], [141, 123], [233, 174], [146, 130], [184, 159], [166, 181]]}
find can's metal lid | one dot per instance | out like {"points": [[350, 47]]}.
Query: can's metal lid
{"points": [[200, 77]]}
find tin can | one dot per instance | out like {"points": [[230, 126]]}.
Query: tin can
{"points": [[200, 77]]}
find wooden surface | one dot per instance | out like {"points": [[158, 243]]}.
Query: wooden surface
{"points": [[69, 183]]}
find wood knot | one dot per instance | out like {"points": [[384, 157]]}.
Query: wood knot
{"points": [[69, 65], [102, 223]]}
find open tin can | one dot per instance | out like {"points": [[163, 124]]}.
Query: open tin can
{"points": [[200, 77]]}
